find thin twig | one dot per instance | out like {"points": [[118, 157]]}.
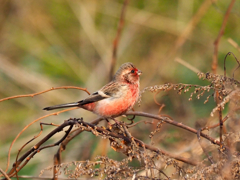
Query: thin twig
{"points": [[51, 89], [116, 40], [4, 174], [49, 177], [175, 123], [220, 34], [215, 125], [143, 121], [93, 128], [205, 152], [228, 54], [138, 142], [35, 137], [129, 135], [221, 126], [27, 126], [62, 147], [215, 61], [37, 148]]}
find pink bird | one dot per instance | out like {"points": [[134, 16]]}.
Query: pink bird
{"points": [[113, 99]]}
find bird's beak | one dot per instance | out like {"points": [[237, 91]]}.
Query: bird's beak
{"points": [[139, 72]]}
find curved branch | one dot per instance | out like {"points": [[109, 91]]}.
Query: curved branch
{"points": [[51, 89], [169, 121]]}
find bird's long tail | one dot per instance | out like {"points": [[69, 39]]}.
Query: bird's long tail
{"points": [[74, 104]]}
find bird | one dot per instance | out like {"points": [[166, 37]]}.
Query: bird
{"points": [[115, 98]]}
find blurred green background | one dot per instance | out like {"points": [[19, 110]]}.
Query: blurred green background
{"points": [[56, 43]]}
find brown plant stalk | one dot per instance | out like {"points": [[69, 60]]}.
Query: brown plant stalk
{"points": [[117, 38], [215, 61]]}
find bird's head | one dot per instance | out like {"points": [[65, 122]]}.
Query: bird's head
{"points": [[128, 73]]}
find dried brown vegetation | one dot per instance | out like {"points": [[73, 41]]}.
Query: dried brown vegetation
{"points": [[151, 142], [153, 162]]}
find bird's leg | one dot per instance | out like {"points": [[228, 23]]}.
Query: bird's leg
{"points": [[109, 124], [117, 122]]}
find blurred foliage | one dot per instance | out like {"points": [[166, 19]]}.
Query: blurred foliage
{"points": [[55, 43]]}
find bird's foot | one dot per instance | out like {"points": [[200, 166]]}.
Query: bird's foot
{"points": [[117, 124]]}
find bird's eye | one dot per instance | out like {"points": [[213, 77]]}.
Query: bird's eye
{"points": [[133, 71]]}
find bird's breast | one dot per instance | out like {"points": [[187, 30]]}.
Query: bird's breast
{"points": [[118, 104]]}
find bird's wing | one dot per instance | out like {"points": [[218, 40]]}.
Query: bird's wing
{"points": [[109, 90], [112, 89], [92, 98]]}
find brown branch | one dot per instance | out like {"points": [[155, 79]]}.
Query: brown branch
{"points": [[221, 126], [152, 148], [46, 177], [228, 54], [51, 89], [128, 140], [103, 131], [125, 138], [116, 40], [4, 174], [215, 62], [27, 126], [35, 137], [220, 34], [62, 147], [32, 95], [37, 148], [143, 121], [215, 125], [175, 123], [44, 147], [205, 152], [129, 135]]}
